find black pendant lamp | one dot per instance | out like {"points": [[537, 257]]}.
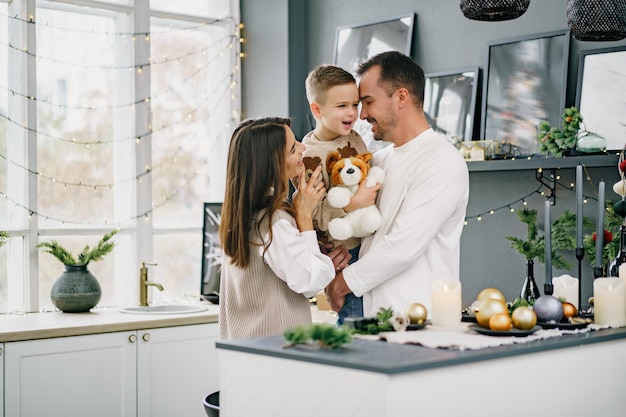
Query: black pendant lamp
{"points": [[493, 10], [597, 20]]}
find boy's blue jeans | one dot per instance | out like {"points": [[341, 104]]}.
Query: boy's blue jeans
{"points": [[353, 306]]}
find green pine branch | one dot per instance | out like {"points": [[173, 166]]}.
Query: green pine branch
{"points": [[4, 236], [612, 223], [326, 335], [562, 238], [87, 255]]}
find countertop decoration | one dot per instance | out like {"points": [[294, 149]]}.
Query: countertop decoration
{"points": [[327, 336], [612, 222], [77, 290], [561, 237]]}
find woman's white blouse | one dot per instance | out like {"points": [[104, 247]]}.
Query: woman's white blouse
{"points": [[296, 259]]}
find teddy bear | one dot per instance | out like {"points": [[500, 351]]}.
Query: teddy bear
{"points": [[346, 173]]}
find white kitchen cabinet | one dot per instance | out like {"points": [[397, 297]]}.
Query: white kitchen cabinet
{"points": [[144, 373], [177, 368], [91, 375]]}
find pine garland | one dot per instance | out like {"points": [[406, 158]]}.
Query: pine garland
{"points": [[103, 247]]}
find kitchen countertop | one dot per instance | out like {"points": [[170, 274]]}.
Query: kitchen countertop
{"points": [[32, 326], [390, 358]]}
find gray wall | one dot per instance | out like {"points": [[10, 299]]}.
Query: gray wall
{"points": [[276, 67]]}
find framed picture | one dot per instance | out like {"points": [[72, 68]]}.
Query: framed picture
{"points": [[601, 94], [525, 83], [450, 102], [355, 44], [211, 253]]}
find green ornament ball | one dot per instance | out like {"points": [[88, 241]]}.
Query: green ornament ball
{"points": [[620, 208]]}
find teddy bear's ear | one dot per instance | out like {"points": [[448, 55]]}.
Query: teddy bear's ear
{"points": [[330, 161], [365, 157]]}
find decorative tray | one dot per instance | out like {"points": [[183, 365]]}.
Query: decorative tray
{"points": [[513, 332], [562, 326]]}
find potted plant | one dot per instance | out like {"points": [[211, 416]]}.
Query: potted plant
{"points": [[533, 246], [561, 142], [77, 290]]}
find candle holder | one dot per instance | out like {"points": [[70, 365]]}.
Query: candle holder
{"points": [[580, 254], [598, 272]]}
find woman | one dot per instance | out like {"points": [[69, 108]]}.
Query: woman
{"points": [[272, 261]]}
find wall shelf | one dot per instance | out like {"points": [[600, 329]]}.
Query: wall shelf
{"points": [[541, 161]]}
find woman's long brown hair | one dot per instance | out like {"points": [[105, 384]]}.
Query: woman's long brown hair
{"points": [[256, 181]]}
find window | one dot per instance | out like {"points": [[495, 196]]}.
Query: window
{"points": [[120, 117]]}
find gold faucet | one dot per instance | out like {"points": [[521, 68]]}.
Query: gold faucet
{"points": [[144, 284]]}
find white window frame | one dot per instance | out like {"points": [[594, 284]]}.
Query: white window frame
{"points": [[135, 241]]}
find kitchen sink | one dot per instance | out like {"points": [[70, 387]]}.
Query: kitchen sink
{"points": [[165, 309]]}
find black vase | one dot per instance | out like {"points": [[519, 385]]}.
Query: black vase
{"points": [[76, 290], [530, 291]]}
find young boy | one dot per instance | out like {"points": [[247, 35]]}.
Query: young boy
{"points": [[333, 99]]}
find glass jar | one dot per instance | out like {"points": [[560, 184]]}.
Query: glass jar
{"points": [[590, 143]]}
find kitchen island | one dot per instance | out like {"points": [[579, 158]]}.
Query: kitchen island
{"points": [[569, 375]]}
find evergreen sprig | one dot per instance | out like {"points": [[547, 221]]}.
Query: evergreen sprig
{"points": [[562, 238], [326, 335], [87, 255], [4, 236], [382, 324]]}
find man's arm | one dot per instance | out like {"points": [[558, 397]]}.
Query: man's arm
{"points": [[337, 291]]}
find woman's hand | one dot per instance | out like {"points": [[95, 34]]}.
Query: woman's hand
{"points": [[307, 197]]}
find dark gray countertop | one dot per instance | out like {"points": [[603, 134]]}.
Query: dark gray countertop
{"points": [[389, 358]]}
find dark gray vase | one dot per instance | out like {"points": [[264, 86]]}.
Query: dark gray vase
{"points": [[76, 290]]}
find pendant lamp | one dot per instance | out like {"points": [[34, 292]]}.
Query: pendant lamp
{"points": [[597, 20], [493, 10]]}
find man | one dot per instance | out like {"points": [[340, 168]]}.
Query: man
{"points": [[423, 200]]}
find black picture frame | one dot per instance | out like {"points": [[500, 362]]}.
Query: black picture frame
{"points": [[450, 99], [211, 253], [601, 94], [525, 83], [358, 42]]}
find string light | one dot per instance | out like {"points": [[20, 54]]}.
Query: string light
{"points": [[199, 26], [227, 43], [509, 206]]}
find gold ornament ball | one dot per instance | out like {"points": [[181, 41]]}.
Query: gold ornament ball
{"points": [[488, 308], [416, 313], [524, 318], [491, 294]]}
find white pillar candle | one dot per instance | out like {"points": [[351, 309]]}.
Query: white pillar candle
{"points": [[566, 286], [622, 271], [609, 301], [446, 303]]}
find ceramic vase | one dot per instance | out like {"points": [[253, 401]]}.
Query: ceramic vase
{"points": [[76, 290]]}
